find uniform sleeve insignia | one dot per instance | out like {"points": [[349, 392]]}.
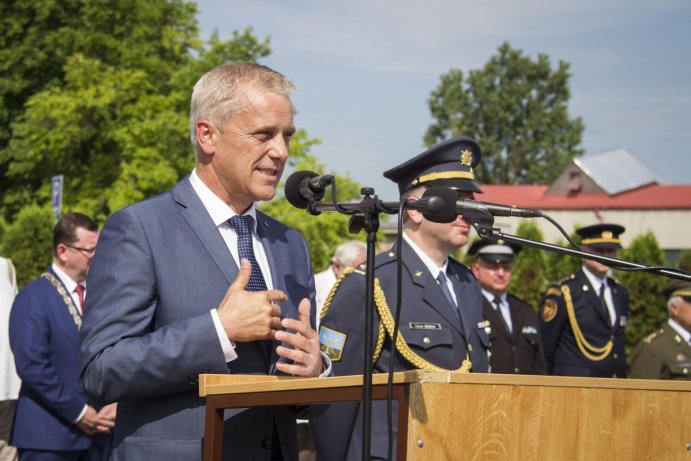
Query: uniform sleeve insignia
{"points": [[332, 342], [553, 291], [549, 310]]}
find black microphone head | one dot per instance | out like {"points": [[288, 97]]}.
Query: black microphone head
{"points": [[441, 204], [294, 189]]}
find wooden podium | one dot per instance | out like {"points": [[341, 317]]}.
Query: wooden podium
{"points": [[451, 416]]}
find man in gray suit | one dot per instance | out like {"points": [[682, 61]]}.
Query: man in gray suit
{"points": [[197, 280]]}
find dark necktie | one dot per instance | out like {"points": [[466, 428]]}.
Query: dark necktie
{"points": [[498, 307], [441, 279], [603, 302], [79, 289], [243, 228]]}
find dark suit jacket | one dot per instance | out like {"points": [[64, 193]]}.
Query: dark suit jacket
{"points": [[561, 351], [519, 351], [429, 326], [45, 343], [161, 265]]}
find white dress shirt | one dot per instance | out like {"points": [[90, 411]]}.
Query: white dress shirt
{"points": [[596, 283]]}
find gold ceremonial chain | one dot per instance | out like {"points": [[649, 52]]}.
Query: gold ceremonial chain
{"points": [[69, 302]]}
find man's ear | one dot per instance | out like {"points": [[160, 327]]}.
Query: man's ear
{"points": [[414, 215], [60, 251], [205, 131]]}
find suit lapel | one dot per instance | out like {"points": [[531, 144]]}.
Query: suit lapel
{"points": [[193, 212], [431, 292], [266, 235], [463, 296]]}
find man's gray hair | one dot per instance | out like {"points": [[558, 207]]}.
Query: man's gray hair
{"points": [[216, 94], [673, 301], [349, 252]]}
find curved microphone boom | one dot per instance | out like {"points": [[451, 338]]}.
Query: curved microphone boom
{"points": [[494, 209], [303, 187]]}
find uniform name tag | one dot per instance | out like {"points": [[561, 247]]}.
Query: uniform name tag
{"points": [[424, 326], [529, 330]]}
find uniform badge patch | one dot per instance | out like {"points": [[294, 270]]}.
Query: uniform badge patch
{"points": [[549, 310], [332, 343]]}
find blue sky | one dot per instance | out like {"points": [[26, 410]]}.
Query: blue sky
{"points": [[364, 69]]}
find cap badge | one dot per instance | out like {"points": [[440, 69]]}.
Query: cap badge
{"points": [[466, 158], [607, 234]]}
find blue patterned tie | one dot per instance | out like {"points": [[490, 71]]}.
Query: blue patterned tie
{"points": [[243, 227]]}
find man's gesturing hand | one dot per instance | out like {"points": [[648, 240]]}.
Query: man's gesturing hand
{"points": [[249, 315], [305, 354]]}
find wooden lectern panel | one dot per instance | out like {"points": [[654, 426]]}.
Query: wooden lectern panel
{"points": [[454, 416], [588, 419]]}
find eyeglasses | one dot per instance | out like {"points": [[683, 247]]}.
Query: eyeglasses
{"points": [[84, 251]]}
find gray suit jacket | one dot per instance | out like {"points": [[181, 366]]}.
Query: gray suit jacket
{"points": [[160, 266]]}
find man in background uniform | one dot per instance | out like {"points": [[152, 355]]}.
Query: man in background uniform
{"points": [[441, 324], [666, 353], [597, 307], [515, 343]]}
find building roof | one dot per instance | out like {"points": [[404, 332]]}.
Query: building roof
{"points": [[618, 170], [653, 196]]}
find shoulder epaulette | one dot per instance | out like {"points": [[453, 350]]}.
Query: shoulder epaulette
{"points": [[653, 335], [553, 290], [360, 270], [565, 279]]}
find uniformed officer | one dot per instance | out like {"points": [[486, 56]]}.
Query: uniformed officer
{"points": [[515, 342], [441, 324], [666, 353], [582, 317]]}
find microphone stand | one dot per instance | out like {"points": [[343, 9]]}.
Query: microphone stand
{"points": [[364, 215], [483, 221]]}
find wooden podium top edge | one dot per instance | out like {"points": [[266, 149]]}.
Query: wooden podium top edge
{"points": [[215, 384]]}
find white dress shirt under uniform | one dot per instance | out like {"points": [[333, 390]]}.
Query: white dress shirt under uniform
{"points": [[596, 283]]}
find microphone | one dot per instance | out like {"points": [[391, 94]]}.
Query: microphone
{"points": [[437, 204], [468, 206], [303, 187]]}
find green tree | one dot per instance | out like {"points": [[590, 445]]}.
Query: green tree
{"points": [[28, 242], [684, 262], [647, 304], [113, 118], [98, 91], [517, 110], [561, 265], [528, 280]]}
